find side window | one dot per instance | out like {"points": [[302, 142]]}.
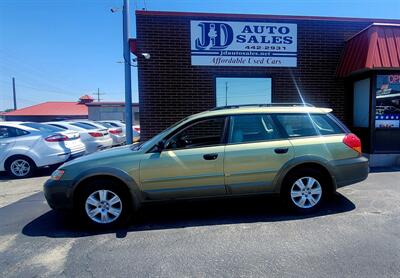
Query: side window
{"points": [[4, 132], [8, 132], [308, 125], [200, 134], [252, 128]]}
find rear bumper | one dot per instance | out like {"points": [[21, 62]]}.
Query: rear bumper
{"points": [[349, 171]]}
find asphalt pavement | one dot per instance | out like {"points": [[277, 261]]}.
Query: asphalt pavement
{"points": [[357, 234]]}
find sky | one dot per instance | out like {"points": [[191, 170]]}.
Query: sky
{"points": [[58, 50]]}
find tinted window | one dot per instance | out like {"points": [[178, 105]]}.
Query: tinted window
{"points": [[308, 125], [89, 124], [106, 125], [113, 124], [84, 125], [43, 127], [203, 133], [252, 128], [59, 126], [8, 132]]}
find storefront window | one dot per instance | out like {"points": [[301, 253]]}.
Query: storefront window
{"points": [[387, 101], [241, 91]]}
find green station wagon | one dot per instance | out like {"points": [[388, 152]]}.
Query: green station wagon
{"points": [[302, 153]]}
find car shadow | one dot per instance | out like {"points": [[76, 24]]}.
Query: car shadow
{"points": [[184, 214], [41, 172]]}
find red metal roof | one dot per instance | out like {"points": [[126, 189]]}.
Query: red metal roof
{"points": [[376, 47], [52, 109]]}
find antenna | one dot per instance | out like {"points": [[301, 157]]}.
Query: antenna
{"points": [[99, 94]]}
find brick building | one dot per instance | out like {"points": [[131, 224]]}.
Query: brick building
{"points": [[200, 61]]}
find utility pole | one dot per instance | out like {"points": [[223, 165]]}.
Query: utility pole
{"points": [[127, 60], [226, 93], [14, 94], [99, 94]]}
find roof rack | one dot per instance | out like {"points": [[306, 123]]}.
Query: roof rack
{"points": [[263, 105]]}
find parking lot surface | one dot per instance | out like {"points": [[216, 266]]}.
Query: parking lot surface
{"points": [[356, 234]]}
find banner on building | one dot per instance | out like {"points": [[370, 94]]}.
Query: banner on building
{"points": [[254, 44]]}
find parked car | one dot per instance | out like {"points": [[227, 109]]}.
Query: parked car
{"points": [[302, 153], [117, 133], [93, 138], [135, 128], [25, 146]]}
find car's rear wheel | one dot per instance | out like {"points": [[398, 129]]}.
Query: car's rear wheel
{"points": [[20, 167], [305, 190], [104, 203]]}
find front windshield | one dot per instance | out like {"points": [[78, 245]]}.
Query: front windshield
{"points": [[161, 135]]}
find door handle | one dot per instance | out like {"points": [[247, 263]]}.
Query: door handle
{"points": [[210, 156], [281, 150]]}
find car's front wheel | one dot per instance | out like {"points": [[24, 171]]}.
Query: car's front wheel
{"points": [[305, 190], [103, 203]]}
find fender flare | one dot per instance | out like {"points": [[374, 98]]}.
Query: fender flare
{"points": [[297, 161], [119, 174]]}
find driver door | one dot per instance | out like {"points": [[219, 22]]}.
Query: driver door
{"points": [[191, 165]]}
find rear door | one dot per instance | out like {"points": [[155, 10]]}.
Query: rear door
{"points": [[255, 152]]}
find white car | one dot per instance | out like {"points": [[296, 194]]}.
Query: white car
{"points": [[118, 137], [93, 138], [25, 146], [135, 129]]}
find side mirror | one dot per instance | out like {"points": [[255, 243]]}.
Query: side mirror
{"points": [[160, 146]]}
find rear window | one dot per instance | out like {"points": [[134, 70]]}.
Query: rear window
{"points": [[43, 127], [106, 125], [300, 125], [84, 125], [59, 126]]}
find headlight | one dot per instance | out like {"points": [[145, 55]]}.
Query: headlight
{"points": [[57, 175]]}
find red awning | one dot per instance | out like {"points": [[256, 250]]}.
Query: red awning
{"points": [[376, 47]]}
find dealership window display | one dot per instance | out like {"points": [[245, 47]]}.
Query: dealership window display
{"points": [[387, 101]]}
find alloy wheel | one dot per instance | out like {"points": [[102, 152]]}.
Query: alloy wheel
{"points": [[306, 192], [20, 167], [103, 206]]}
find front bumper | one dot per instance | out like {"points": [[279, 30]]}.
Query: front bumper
{"points": [[58, 194], [349, 171]]}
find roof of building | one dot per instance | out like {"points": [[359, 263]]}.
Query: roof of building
{"points": [[375, 47], [110, 103], [52, 108], [262, 16], [86, 97]]}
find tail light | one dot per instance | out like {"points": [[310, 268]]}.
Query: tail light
{"points": [[115, 131], [96, 134], [56, 138], [353, 142]]}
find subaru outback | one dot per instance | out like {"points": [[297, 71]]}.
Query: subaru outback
{"points": [[302, 153]]}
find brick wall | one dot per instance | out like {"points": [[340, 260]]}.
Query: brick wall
{"points": [[170, 88]]}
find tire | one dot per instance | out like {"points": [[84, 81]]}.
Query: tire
{"points": [[20, 167], [304, 190], [108, 201]]}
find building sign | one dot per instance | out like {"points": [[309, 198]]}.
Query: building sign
{"points": [[254, 44], [387, 101]]}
